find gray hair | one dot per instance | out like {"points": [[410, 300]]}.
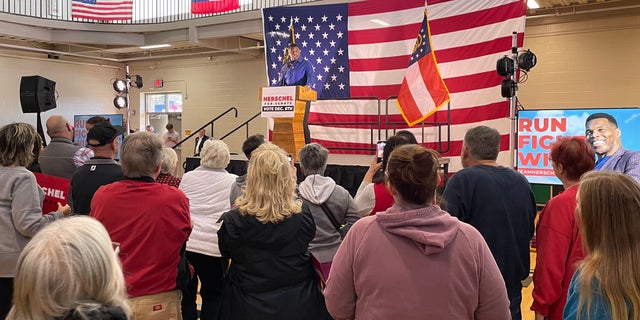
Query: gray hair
{"points": [[482, 143], [68, 265], [313, 158], [141, 154], [215, 154], [169, 161]]}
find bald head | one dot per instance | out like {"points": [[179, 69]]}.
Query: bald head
{"points": [[59, 127]]}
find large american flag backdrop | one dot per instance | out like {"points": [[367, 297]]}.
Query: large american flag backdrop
{"points": [[362, 49]]}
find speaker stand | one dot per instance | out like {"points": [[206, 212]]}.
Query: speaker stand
{"points": [[40, 130]]}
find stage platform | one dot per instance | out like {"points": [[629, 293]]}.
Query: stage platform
{"points": [[346, 169]]}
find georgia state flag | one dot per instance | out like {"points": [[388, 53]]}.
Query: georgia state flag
{"points": [[213, 6]]}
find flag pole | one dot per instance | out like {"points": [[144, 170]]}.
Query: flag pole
{"points": [[513, 102], [293, 40]]}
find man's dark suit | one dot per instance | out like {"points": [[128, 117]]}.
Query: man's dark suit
{"points": [[199, 144]]}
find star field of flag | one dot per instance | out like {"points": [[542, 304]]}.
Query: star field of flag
{"points": [[321, 36], [423, 47]]}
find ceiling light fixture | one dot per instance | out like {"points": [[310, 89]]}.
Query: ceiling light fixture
{"points": [[155, 46], [532, 4]]}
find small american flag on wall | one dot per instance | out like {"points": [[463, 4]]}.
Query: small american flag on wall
{"points": [[105, 10]]}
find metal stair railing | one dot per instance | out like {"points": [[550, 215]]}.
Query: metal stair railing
{"points": [[210, 123]]}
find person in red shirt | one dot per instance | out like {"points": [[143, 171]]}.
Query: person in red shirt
{"points": [[372, 196], [558, 242], [151, 222]]}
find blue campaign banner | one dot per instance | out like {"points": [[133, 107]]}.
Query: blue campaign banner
{"points": [[539, 129], [80, 131]]}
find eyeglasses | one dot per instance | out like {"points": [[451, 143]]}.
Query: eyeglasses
{"points": [[116, 247]]}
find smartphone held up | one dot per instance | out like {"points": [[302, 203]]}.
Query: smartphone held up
{"points": [[380, 150]]}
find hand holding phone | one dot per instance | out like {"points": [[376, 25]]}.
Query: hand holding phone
{"points": [[380, 150]]}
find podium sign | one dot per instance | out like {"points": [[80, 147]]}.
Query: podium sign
{"points": [[289, 106], [278, 102]]}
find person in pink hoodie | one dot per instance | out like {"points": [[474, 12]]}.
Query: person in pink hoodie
{"points": [[415, 261]]}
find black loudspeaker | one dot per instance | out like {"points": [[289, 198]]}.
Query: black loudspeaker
{"points": [[37, 94]]}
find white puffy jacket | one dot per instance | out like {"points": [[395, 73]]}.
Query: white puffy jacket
{"points": [[208, 191]]}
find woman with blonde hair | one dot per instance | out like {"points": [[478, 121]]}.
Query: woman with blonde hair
{"points": [[607, 283], [70, 271], [267, 236], [20, 202]]}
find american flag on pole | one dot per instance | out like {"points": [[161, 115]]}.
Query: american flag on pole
{"points": [[422, 91], [370, 58], [104, 10]]}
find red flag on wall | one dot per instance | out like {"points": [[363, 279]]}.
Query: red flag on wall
{"points": [[213, 6], [422, 91]]}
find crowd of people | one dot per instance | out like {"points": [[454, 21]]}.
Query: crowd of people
{"points": [[141, 243]]}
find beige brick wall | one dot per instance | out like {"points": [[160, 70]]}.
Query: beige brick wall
{"points": [[586, 62]]}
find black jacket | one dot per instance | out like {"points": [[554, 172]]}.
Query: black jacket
{"points": [[96, 172], [103, 312], [199, 144], [271, 274]]}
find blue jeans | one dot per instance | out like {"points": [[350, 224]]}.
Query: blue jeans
{"points": [[514, 307]]}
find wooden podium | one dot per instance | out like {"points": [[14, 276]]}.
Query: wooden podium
{"points": [[290, 131]]}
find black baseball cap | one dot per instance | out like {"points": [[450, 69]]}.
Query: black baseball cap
{"points": [[103, 133]]}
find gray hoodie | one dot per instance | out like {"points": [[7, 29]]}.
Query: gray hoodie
{"points": [[315, 190]]}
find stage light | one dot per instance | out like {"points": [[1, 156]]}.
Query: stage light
{"points": [[527, 60], [120, 102], [138, 82], [119, 86], [508, 88], [504, 66]]}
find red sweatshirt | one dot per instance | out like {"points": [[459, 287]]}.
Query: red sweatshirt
{"points": [[151, 222], [384, 199], [559, 251]]}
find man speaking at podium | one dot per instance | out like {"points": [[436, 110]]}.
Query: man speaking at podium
{"points": [[296, 71]]}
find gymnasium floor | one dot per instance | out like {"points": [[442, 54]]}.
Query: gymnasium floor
{"points": [[526, 294]]}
